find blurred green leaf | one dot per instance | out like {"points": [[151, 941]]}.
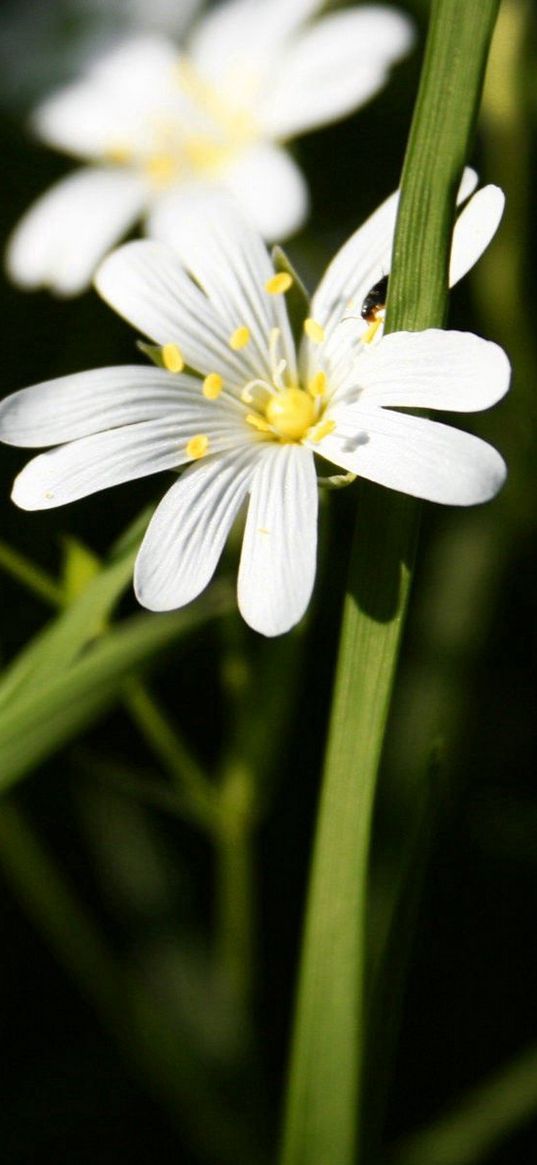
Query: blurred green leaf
{"points": [[55, 648], [80, 566], [93, 598], [47, 714], [484, 1118]]}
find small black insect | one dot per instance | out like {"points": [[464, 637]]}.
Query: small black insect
{"points": [[374, 303]]}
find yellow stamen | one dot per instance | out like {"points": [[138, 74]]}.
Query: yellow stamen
{"points": [[240, 338], [290, 413], [258, 423], [204, 154], [197, 446], [371, 331], [212, 386], [118, 154], [172, 358], [161, 169], [314, 331], [279, 284], [317, 384], [323, 429]]}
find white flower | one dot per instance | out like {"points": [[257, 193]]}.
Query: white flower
{"points": [[156, 127], [259, 408]]}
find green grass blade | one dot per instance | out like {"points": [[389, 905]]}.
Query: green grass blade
{"points": [[58, 645], [326, 1071], [485, 1117], [43, 718]]}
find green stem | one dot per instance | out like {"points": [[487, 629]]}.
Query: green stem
{"points": [[235, 881], [187, 776], [57, 913], [327, 1070], [32, 576]]}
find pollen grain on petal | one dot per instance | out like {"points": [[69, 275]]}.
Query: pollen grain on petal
{"points": [[197, 446], [280, 283], [212, 386], [239, 338], [314, 331], [172, 358]]}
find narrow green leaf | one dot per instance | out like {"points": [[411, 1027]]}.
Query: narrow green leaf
{"points": [[55, 648], [58, 645], [45, 716], [326, 1071], [485, 1117], [31, 575], [80, 566]]}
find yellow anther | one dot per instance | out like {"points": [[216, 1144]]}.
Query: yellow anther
{"points": [[240, 338], [371, 331], [212, 386], [279, 284], [314, 331], [323, 429], [161, 169], [258, 423], [197, 446], [172, 358], [317, 384], [118, 154], [204, 154], [290, 413]]}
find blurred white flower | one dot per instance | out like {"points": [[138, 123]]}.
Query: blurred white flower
{"points": [[156, 127], [258, 407]]}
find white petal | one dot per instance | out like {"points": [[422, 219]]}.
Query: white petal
{"points": [[356, 267], [145, 282], [434, 369], [271, 189], [360, 263], [277, 568], [105, 459], [228, 259], [475, 227], [415, 456], [332, 68], [237, 44], [60, 240], [94, 463], [186, 535], [104, 398], [109, 108]]}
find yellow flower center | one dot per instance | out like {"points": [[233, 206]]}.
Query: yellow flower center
{"points": [[201, 137], [291, 413]]}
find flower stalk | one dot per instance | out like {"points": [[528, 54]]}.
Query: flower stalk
{"points": [[323, 1116]]}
